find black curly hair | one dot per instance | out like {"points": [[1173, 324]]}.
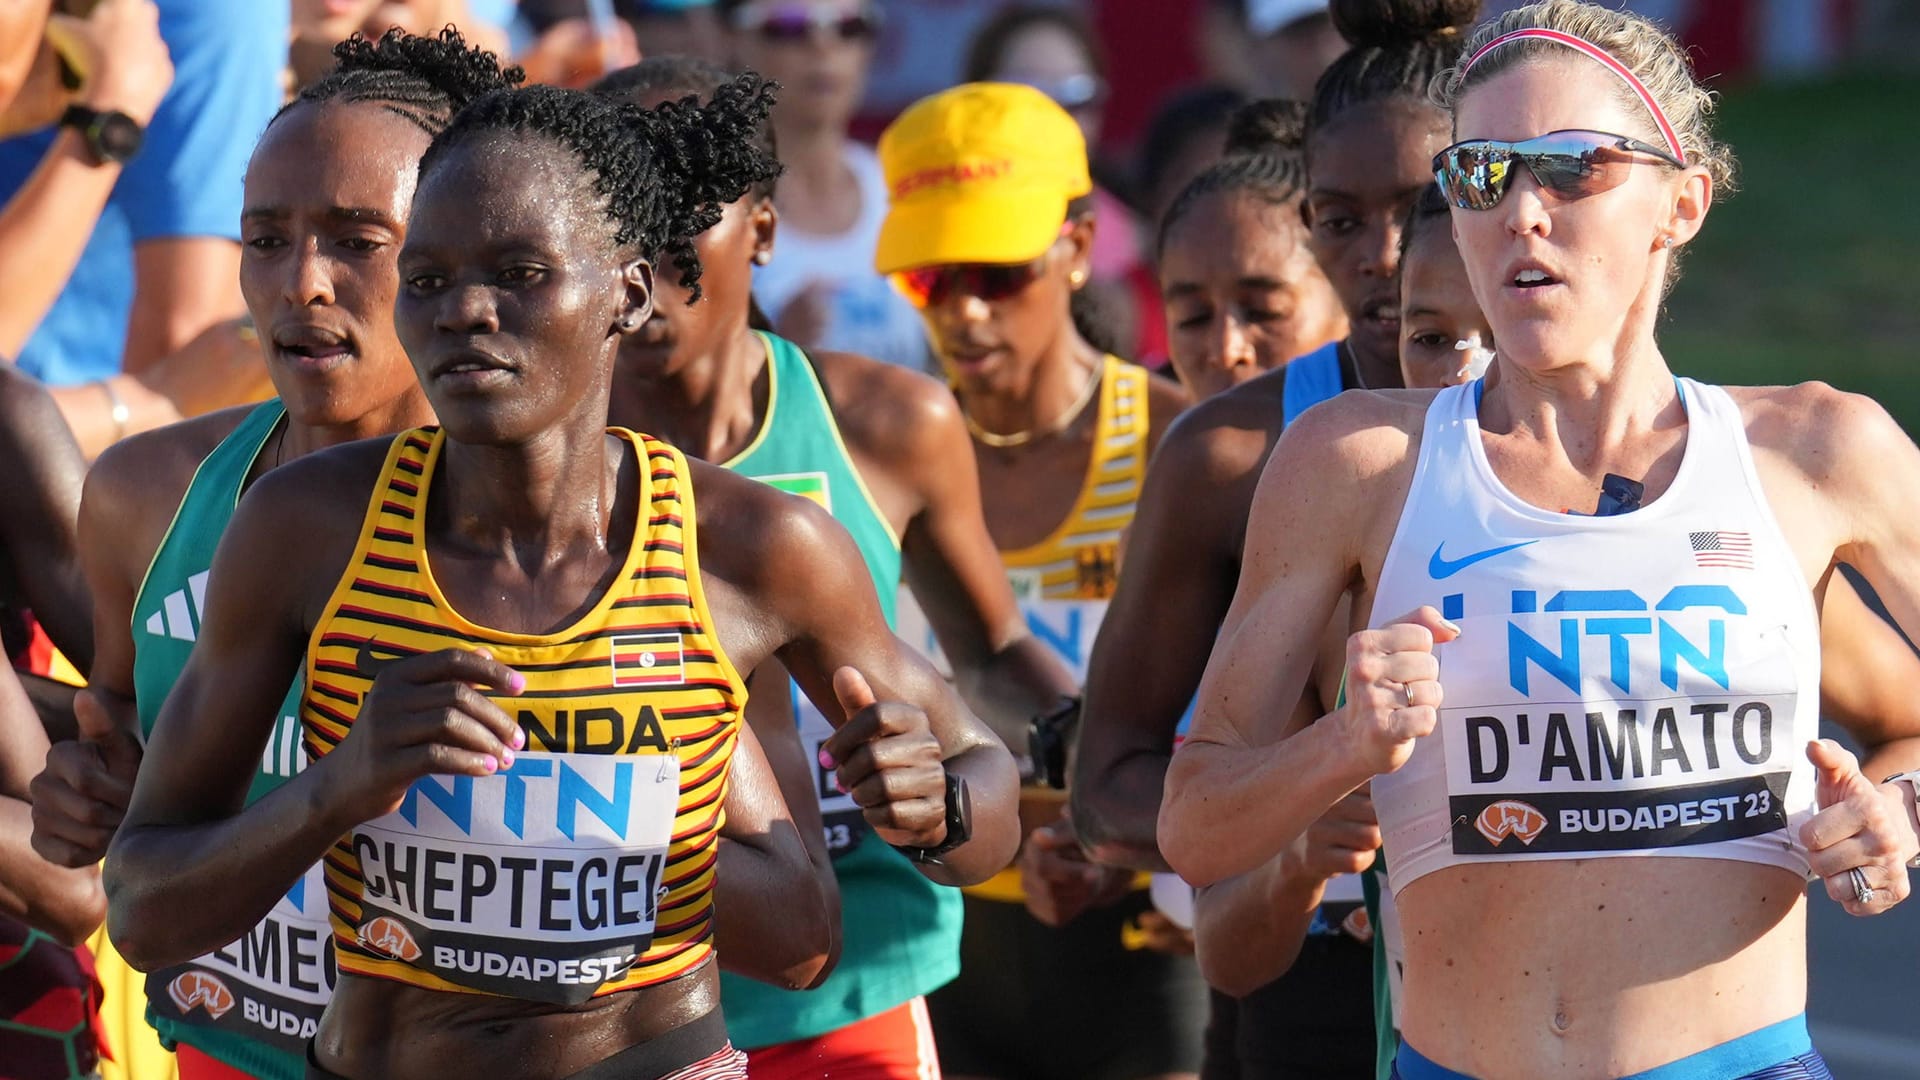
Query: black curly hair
{"points": [[425, 79], [666, 173], [1265, 156], [1398, 48], [694, 77]]}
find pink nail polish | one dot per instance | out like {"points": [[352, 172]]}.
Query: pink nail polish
{"points": [[826, 759], [519, 739], [519, 682], [506, 759], [492, 765]]}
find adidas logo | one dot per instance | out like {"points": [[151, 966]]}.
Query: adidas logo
{"points": [[177, 617]]}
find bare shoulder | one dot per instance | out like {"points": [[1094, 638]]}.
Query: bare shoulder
{"points": [[1358, 437], [1226, 438], [155, 467], [755, 536], [886, 411], [1828, 434], [135, 487]]}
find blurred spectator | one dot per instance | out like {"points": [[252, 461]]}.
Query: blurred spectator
{"points": [[159, 272], [1053, 50], [820, 288], [677, 27], [320, 24], [1268, 48]]}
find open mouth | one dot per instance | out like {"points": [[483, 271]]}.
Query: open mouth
{"points": [[311, 345], [1532, 277]]}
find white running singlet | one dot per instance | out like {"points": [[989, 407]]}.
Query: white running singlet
{"points": [[1632, 685]]}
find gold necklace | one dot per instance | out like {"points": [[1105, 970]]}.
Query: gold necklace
{"points": [[1019, 438]]}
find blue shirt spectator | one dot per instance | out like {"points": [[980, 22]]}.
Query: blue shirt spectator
{"points": [[228, 57]]}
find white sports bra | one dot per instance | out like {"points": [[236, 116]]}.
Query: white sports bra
{"points": [[1642, 684]]}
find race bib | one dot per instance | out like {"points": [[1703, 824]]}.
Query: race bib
{"points": [[541, 882], [839, 814], [1613, 731], [270, 986]]}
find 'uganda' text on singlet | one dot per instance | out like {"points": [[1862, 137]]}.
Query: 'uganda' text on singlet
{"points": [[902, 935], [1641, 684], [588, 866], [254, 1003]]}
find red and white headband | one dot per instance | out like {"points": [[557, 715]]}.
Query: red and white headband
{"points": [[1605, 59]]}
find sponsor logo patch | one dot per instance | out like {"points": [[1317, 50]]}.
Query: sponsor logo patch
{"points": [[390, 936], [1510, 817], [192, 990]]}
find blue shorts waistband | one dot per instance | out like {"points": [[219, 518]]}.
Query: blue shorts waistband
{"points": [[1748, 1054]]}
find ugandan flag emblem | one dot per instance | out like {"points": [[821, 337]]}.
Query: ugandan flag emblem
{"points": [[649, 660]]}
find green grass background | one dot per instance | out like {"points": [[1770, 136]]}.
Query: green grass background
{"points": [[1812, 271]]}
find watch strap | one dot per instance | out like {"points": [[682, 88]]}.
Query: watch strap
{"points": [[959, 824], [1910, 778]]}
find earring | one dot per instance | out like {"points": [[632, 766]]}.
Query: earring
{"points": [[1077, 278], [1668, 242], [628, 324], [762, 257]]}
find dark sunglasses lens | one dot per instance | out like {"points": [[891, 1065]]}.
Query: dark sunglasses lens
{"points": [[1000, 282], [857, 28], [917, 285], [1574, 167], [786, 26]]}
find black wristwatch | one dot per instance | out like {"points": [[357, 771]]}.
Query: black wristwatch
{"points": [[1048, 736], [959, 824], [111, 136]]}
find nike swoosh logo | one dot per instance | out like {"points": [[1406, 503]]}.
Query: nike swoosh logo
{"points": [[1438, 567], [368, 664]]}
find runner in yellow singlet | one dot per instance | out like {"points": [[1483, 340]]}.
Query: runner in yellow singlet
{"points": [[988, 232], [523, 636]]}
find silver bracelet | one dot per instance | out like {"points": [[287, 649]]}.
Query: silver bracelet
{"points": [[121, 414]]}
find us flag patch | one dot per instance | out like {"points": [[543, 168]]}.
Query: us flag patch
{"points": [[1722, 550], [649, 660]]}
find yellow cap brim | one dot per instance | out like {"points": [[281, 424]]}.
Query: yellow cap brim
{"points": [[940, 232]]}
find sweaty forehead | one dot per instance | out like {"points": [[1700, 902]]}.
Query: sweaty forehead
{"points": [[1235, 234], [499, 187], [1377, 152], [1548, 93], [337, 154]]}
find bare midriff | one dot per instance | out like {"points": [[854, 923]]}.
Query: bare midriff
{"points": [[377, 1028], [1597, 968]]}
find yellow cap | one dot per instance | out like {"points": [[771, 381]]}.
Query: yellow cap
{"points": [[981, 173]]}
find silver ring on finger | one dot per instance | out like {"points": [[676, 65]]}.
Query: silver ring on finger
{"points": [[1406, 695], [1862, 892]]}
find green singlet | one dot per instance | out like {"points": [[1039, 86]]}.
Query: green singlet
{"points": [[903, 936], [255, 1003]]}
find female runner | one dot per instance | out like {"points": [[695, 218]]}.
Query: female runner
{"points": [[1599, 835], [532, 892], [884, 450], [992, 254], [327, 194]]}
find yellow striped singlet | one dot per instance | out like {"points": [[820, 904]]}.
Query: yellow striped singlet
{"points": [[1064, 582], [588, 866], [1080, 561]]}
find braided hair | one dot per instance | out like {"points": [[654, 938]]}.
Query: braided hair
{"points": [[665, 173], [425, 79], [687, 75], [1399, 48], [1427, 211], [1265, 156]]}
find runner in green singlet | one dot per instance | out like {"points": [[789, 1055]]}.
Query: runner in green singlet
{"points": [[894, 468], [327, 195]]}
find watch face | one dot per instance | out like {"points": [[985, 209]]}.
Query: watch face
{"points": [[117, 135]]}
